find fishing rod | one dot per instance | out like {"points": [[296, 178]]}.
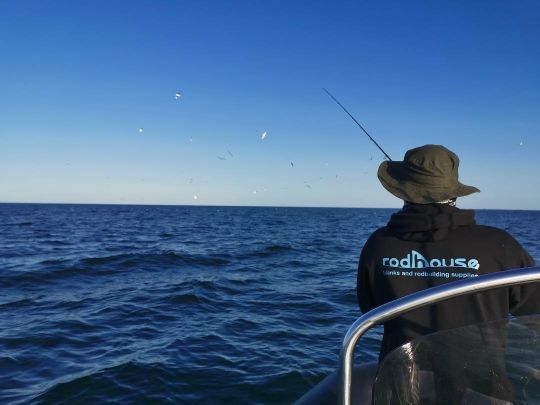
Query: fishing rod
{"points": [[357, 123]]}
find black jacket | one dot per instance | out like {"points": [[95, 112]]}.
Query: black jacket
{"points": [[428, 245]]}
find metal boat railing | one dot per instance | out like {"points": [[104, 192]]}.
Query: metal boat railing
{"points": [[419, 299]]}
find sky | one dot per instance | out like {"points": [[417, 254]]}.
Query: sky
{"points": [[78, 80]]}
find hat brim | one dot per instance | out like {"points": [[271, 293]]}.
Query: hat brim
{"points": [[393, 176]]}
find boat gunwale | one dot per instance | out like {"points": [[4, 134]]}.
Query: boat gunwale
{"points": [[416, 300]]}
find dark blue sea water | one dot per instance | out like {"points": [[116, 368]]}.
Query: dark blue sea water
{"points": [[166, 304]]}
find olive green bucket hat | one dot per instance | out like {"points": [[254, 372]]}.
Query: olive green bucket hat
{"points": [[427, 174]]}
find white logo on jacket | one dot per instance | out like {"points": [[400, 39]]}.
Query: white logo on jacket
{"points": [[416, 260]]}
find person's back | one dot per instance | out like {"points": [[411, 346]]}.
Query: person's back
{"points": [[428, 245]]}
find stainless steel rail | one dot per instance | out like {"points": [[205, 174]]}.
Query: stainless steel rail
{"points": [[429, 296]]}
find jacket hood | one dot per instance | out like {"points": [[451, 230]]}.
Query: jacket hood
{"points": [[428, 222]]}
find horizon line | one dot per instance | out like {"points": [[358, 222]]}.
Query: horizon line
{"points": [[244, 206]]}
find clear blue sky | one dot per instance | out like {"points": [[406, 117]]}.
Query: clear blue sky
{"points": [[79, 78]]}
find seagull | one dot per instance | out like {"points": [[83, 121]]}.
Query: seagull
{"points": [[292, 164], [141, 130], [221, 157], [263, 135], [230, 153], [177, 95]]}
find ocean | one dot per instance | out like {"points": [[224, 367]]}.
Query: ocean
{"points": [[183, 304]]}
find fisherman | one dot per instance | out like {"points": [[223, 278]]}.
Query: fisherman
{"points": [[430, 242]]}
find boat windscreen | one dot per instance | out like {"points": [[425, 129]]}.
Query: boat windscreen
{"points": [[492, 363]]}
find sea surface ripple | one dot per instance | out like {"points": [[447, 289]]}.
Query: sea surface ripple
{"points": [[172, 304]]}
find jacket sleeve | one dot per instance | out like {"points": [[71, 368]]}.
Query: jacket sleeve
{"points": [[525, 298], [364, 285]]}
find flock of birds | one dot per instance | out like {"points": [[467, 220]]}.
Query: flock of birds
{"points": [[263, 136]]}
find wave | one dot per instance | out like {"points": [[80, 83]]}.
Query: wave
{"points": [[56, 242], [24, 223], [16, 304], [166, 258], [267, 251], [297, 263], [43, 276], [131, 382], [188, 299], [52, 270]]}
